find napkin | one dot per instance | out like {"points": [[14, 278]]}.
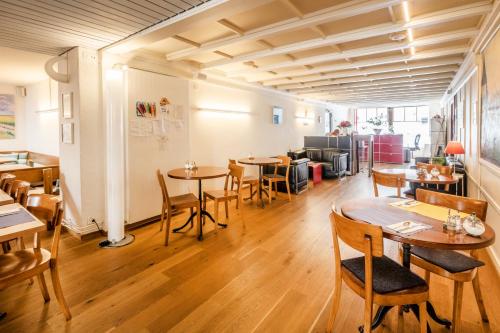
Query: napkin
{"points": [[405, 203], [408, 227], [9, 211]]}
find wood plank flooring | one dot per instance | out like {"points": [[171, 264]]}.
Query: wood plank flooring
{"points": [[271, 272]]}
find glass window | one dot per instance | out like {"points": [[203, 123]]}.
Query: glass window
{"points": [[399, 114], [361, 113], [423, 114], [410, 113], [371, 113]]}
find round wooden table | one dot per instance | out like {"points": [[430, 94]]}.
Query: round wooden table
{"points": [[200, 173], [377, 211], [260, 161], [412, 177]]}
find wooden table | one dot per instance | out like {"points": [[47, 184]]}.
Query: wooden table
{"points": [[5, 199], [200, 173], [260, 161], [377, 211], [412, 177], [20, 230]]}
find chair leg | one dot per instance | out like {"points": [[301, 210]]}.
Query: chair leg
{"points": [[43, 287], [428, 277], [226, 208], [479, 298], [335, 305], [167, 229], [368, 316], [216, 215], [204, 207], [162, 218], [288, 191], [270, 192], [422, 309], [58, 290], [458, 290], [191, 213], [251, 192]]}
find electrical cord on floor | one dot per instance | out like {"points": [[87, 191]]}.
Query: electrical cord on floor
{"points": [[100, 230]]}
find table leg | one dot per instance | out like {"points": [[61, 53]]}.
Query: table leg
{"points": [[260, 187]]}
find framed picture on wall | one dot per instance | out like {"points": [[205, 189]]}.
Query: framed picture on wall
{"points": [[67, 105], [67, 133], [277, 115]]}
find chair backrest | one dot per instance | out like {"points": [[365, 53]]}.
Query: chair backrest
{"points": [[47, 181], [45, 207], [164, 191], [5, 180], [18, 190], [463, 204], [231, 161], [443, 169], [417, 140], [285, 162], [396, 180], [234, 177]]}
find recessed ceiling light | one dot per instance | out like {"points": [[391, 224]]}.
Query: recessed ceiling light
{"points": [[397, 36]]}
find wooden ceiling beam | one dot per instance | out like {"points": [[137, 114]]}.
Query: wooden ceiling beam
{"points": [[363, 51], [296, 11], [409, 92], [186, 40], [453, 50], [337, 12], [383, 69], [231, 26], [438, 17]]}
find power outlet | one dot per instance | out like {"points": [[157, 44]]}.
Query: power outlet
{"points": [[91, 220]]}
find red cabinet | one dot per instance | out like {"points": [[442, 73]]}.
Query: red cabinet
{"points": [[388, 148]]}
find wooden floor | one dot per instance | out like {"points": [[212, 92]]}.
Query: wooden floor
{"points": [[271, 273]]}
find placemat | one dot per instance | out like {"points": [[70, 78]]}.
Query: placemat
{"points": [[436, 212], [14, 219]]}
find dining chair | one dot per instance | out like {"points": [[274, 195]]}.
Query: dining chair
{"points": [[5, 180], [394, 180], [48, 182], [373, 276], [26, 264], [275, 178], [248, 181], [18, 190], [443, 169], [44, 207], [453, 265], [170, 204], [235, 175]]}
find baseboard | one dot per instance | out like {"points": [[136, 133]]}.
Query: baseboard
{"points": [[494, 258]]}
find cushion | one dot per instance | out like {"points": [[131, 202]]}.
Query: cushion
{"points": [[329, 154], [23, 156], [12, 156], [22, 161], [272, 175], [452, 261], [388, 275], [314, 154]]}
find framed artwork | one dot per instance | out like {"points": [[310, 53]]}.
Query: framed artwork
{"points": [[67, 105], [67, 133], [277, 115], [490, 104], [7, 117]]}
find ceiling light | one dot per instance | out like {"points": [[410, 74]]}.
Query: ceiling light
{"points": [[397, 36], [410, 35], [406, 11], [412, 50]]}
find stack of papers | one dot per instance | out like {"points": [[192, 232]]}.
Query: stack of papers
{"points": [[405, 203], [408, 227], [8, 211]]}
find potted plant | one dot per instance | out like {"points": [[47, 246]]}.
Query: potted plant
{"points": [[376, 123], [344, 126]]}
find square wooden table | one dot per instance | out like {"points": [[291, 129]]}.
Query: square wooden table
{"points": [[5, 199], [20, 230]]}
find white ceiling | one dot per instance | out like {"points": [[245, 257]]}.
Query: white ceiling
{"points": [[20, 67], [54, 26]]}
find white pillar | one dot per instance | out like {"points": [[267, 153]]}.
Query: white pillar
{"points": [[115, 90]]}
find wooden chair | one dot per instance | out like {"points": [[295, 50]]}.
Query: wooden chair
{"points": [[443, 169], [29, 263], [44, 207], [18, 190], [5, 180], [248, 181], [373, 276], [234, 176], [395, 180], [175, 203], [274, 178], [452, 264], [48, 182]]}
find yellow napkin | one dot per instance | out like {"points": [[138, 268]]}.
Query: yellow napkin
{"points": [[432, 211]]}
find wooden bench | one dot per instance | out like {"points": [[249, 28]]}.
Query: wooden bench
{"points": [[32, 173]]}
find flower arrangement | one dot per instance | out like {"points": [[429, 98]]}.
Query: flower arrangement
{"points": [[345, 124], [376, 122]]}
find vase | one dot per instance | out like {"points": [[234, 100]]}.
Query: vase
{"points": [[377, 131]]}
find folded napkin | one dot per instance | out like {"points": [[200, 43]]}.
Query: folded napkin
{"points": [[11, 211], [408, 227], [405, 203]]}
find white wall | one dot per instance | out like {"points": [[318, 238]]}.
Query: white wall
{"points": [[42, 128], [19, 143]]}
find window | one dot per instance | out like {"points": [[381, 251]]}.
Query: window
{"points": [[365, 114], [410, 121]]}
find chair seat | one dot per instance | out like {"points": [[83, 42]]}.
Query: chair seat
{"points": [[452, 261], [388, 275], [14, 263], [250, 180], [220, 194], [272, 176], [184, 200]]}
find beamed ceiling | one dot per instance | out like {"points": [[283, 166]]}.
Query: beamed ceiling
{"points": [[359, 51]]}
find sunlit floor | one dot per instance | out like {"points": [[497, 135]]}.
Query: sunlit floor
{"points": [[271, 272]]}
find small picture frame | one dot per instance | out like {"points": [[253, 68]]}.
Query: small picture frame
{"points": [[67, 105], [67, 133], [277, 115]]}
